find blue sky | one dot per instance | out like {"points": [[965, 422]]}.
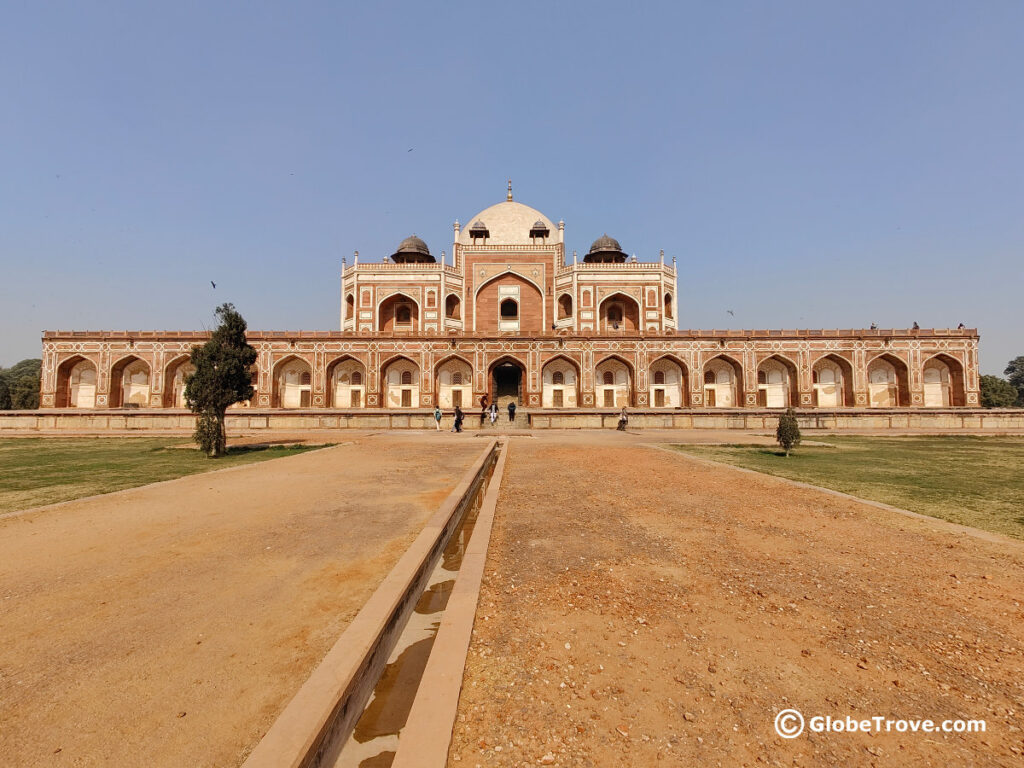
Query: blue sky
{"points": [[810, 164]]}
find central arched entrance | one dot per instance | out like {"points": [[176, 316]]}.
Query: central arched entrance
{"points": [[507, 378]]}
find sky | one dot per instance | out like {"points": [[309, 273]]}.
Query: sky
{"points": [[808, 164]]}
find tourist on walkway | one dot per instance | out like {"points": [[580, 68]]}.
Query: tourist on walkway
{"points": [[493, 412], [483, 408], [511, 411], [623, 420], [437, 417], [459, 416]]}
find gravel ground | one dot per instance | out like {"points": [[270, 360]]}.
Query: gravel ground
{"points": [[168, 625], [640, 608]]}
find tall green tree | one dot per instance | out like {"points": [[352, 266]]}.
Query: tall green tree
{"points": [[221, 379], [788, 432], [1015, 373], [5, 395], [997, 392]]}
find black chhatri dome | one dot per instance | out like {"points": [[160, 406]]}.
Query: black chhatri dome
{"points": [[605, 249], [412, 250]]}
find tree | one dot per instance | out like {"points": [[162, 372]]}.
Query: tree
{"points": [[20, 385], [25, 393], [221, 379], [1015, 373], [788, 431], [997, 393]]}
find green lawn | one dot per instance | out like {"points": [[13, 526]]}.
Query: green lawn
{"points": [[39, 470], [976, 481]]}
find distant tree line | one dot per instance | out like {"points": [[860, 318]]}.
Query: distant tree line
{"points": [[997, 392], [19, 385]]}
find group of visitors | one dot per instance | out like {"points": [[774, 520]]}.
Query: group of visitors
{"points": [[488, 410]]}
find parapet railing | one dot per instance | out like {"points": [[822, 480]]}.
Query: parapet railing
{"points": [[631, 265], [838, 333], [386, 266]]}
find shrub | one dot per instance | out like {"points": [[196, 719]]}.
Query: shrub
{"points": [[788, 431]]}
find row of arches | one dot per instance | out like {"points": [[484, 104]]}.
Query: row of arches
{"points": [[668, 383], [888, 383], [400, 313], [130, 383]]}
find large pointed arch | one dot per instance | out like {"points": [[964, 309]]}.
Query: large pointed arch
{"points": [[735, 364], [349, 393], [614, 394], [567, 358], [449, 392], [845, 395], [506, 273], [500, 384], [400, 382], [792, 387], [621, 359], [684, 383], [675, 359], [902, 372], [529, 298], [957, 383], [171, 396], [291, 394], [69, 393], [557, 391], [631, 314], [452, 356], [719, 394], [387, 363], [130, 394], [389, 314]]}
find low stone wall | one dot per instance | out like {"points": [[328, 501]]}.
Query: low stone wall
{"points": [[177, 421]]}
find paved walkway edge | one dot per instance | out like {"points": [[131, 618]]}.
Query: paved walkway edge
{"points": [[312, 728], [424, 741], [944, 525]]}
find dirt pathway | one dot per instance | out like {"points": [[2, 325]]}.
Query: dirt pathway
{"points": [[643, 609], [168, 625]]}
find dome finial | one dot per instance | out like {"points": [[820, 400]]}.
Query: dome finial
{"points": [[509, 198]]}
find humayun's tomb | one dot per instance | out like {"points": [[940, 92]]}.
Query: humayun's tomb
{"points": [[507, 315]]}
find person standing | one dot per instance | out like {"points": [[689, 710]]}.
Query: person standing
{"points": [[623, 420], [459, 416], [437, 417], [493, 413], [483, 408], [511, 410]]}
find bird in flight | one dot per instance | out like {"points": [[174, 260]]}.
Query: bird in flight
{"points": [[731, 312], [409, 150], [213, 284]]}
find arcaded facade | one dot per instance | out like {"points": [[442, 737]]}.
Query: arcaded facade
{"points": [[509, 316]]}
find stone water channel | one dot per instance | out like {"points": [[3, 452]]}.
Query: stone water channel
{"points": [[374, 740]]}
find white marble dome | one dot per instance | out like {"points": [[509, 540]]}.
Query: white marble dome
{"points": [[507, 223]]}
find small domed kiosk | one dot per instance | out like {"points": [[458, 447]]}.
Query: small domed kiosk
{"points": [[605, 250], [412, 250]]}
